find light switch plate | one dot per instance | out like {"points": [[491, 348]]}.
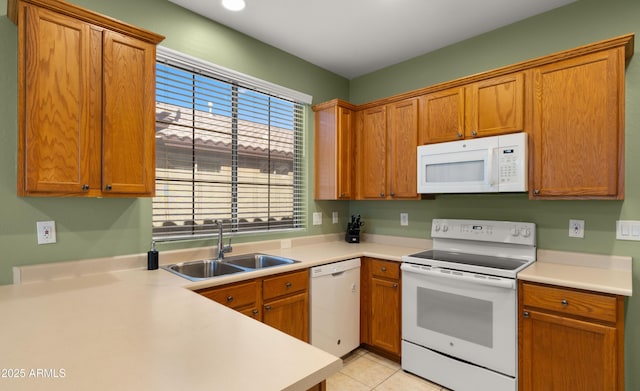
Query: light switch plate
{"points": [[404, 218], [628, 230], [334, 217], [317, 218], [46, 231]]}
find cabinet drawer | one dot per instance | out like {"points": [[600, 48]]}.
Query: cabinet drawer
{"points": [[285, 284], [234, 296], [580, 303], [385, 269]]}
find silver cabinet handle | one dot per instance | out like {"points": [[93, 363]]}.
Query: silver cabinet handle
{"points": [[564, 303], [267, 308], [384, 269], [229, 299], [395, 285], [474, 133], [85, 187], [288, 285], [459, 135], [254, 312], [381, 194], [108, 187], [536, 191], [526, 314]]}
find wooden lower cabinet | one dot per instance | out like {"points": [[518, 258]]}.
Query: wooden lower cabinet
{"points": [[283, 298], [570, 339], [380, 305]]}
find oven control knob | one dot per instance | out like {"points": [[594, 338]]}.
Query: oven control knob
{"points": [[437, 228], [445, 228], [515, 231], [525, 232]]}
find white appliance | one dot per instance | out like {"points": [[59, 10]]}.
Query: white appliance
{"points": [[480, 165], [459, 304], [335, 306]]}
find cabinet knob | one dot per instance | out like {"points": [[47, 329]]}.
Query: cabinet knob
{"points": [[474, 133], [254, 312], [564, 303], [381, 194], [384, 269], [395, 285], [229, 299], [393, 194], [288, 285], [536, 191], [85, 187], [526, 314], [108, 187], [267, 308], [459, 135], [341, 194]]}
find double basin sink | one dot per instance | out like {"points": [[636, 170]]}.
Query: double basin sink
{"points": [[209, 268]]}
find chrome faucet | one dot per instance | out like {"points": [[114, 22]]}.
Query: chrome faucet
{"points": [[221, 249]]}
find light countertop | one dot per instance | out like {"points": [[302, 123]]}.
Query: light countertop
{"points": [[91, 325], [142, 330]]}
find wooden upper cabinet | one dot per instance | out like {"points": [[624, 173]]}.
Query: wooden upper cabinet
{"points": [[484, 108], [334, 144], [128, 148], [402, 127], [578, 127], [495, 106], [372, 153], [442, 116], [85, 102]]}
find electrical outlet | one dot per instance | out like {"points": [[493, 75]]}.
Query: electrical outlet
{"points": [[404, 218], [576, 228], [334, 217], [317, 218], [46, 232]]}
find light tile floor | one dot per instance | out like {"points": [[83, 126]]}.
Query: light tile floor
{"points": [[366, 371]]}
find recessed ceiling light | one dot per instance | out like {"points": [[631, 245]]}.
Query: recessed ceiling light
{"points": [[233, 5]]}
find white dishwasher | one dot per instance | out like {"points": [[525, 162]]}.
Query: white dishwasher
{"points": [[335, 306]]}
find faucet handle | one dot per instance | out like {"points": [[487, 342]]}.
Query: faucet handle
{"points": [[227, 248]]}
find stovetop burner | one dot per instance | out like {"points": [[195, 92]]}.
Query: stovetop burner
{"points": [[472, 259]]}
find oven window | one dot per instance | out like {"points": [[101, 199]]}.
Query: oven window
{"points": [[462, 317], [470, 171]]}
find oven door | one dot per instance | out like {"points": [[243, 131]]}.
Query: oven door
{"points": [[463, 315]]}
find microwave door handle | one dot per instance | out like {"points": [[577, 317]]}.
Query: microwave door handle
{"points": [[491, 163]]}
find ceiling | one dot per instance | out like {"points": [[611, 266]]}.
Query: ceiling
{"points": [[356, 37]]}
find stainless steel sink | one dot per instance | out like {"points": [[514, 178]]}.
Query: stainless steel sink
{"points": [[257, 261], [202, 269], [209, 268]]}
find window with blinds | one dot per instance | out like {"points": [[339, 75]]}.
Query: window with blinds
{"points": [[224, 151]]}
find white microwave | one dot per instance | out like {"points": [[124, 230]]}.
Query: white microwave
{"points": [[480, 165]]}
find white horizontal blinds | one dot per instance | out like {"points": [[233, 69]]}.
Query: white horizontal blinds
{"points": [[224, 152]]}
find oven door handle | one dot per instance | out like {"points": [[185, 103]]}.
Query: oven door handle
{"points": [[497, 282]]}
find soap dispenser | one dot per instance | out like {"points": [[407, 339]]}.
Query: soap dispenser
{"points": [[152, 257]]}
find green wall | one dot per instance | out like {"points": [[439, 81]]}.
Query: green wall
{"points": [[90, 228], [577, 24]]}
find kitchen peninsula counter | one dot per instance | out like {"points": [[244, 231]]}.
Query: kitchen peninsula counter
{"points": [[136, 329]]}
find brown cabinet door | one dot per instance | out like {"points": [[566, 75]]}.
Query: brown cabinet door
{"points": [[372, 156], [559, 353], [495, 106], [334, 153], [442, 116], [385, 315], [289, 315], [346, 153], [403, 143], [54, 62], [128, 150], [578, 130]]}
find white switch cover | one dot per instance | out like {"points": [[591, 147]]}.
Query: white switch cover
{"points": [[404, 218], [334, 217], [628, 230], [317, 218], [46, 232], [576, 228]]}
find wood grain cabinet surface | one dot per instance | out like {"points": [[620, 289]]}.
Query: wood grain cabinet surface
{"points": [[334, 146], [578, 127], [387, 138], [86, 102], [485, 108], [570, 339], [380, 306]]}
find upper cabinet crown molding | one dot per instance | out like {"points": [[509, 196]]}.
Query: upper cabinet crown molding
{"points": [[85, 15]]}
